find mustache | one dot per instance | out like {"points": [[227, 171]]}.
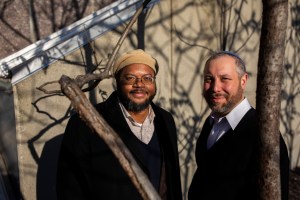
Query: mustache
{"points": [[216, 95], [138, 90]]}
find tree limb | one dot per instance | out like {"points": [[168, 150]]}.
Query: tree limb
{"points": [[107, 73], [72, 89], [95, 121]]}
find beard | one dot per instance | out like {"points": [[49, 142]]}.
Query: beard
{"points": [[131, 105], [223, 109]]}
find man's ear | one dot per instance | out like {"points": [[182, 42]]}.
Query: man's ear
{"points": [[244, 79]]}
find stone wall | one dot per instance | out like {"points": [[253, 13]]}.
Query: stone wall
{"points": [[180, 34]]}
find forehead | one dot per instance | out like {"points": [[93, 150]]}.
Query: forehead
{"points": [[137, 68], [221, 65]]}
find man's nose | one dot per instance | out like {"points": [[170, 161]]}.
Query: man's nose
{"points": [[216, 85], [138, 82]]}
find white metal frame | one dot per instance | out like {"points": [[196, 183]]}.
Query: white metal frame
{"points": [[41, 54]]}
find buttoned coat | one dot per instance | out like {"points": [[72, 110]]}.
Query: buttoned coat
{"points": [[87, 169]]}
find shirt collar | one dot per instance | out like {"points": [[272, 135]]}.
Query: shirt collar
{"points": [[235, 116]]}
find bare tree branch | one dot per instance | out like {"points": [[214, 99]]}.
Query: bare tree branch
{"points": [[83, 79], [72, 89], [95, 121]]}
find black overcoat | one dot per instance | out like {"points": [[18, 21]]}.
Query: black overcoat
{"points": [[229, 169], [87, 169]]}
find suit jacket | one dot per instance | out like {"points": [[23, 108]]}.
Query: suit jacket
{"points": [[87, 169], [229, 169]]}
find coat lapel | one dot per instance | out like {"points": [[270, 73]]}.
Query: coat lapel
{"points": [[114, 117]]}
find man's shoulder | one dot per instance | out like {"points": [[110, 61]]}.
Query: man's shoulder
{"points": [[251, 112], [249, 119], [110, 102], [100, 105], [162, 113], [158, 108]]}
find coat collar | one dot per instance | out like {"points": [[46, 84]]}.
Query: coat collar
{"points": [[113, 115]]}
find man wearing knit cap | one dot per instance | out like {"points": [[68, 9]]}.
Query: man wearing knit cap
{"points": [[87, 169]]}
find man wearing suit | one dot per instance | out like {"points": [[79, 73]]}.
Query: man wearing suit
{"points": [[87, 169], [227, 149]]}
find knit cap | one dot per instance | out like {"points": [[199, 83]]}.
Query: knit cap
{"points": [[132, 57]]}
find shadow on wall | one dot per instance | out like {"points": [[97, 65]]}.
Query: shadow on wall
{"points": [[46, 172]]}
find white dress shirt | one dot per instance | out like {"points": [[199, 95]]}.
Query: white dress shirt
{"points": [[223, 124]]}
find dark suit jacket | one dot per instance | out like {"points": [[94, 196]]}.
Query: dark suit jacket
{"points": [[87, 169], [229, 169]]}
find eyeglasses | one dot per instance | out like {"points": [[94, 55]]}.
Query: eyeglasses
{"points": [[131, 79]]}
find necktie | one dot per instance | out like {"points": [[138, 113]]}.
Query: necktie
{"points": [[216, 132]]}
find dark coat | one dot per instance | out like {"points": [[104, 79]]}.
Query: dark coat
{"points": [[87, 169], [229, 169]]}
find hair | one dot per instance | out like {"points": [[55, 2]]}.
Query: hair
{"points": [[240, 64]]}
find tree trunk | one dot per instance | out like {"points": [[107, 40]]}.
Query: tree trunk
{"points": [[269, 81]]}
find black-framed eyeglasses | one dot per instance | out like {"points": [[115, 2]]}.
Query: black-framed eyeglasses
{"points": [[131, 79]]}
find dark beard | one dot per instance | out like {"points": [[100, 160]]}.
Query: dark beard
{"points": [[131, 106], [134, 107], [228, 107]]}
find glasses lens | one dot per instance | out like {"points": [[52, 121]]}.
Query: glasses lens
{"points": [[147, 80], [131, 80]]}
